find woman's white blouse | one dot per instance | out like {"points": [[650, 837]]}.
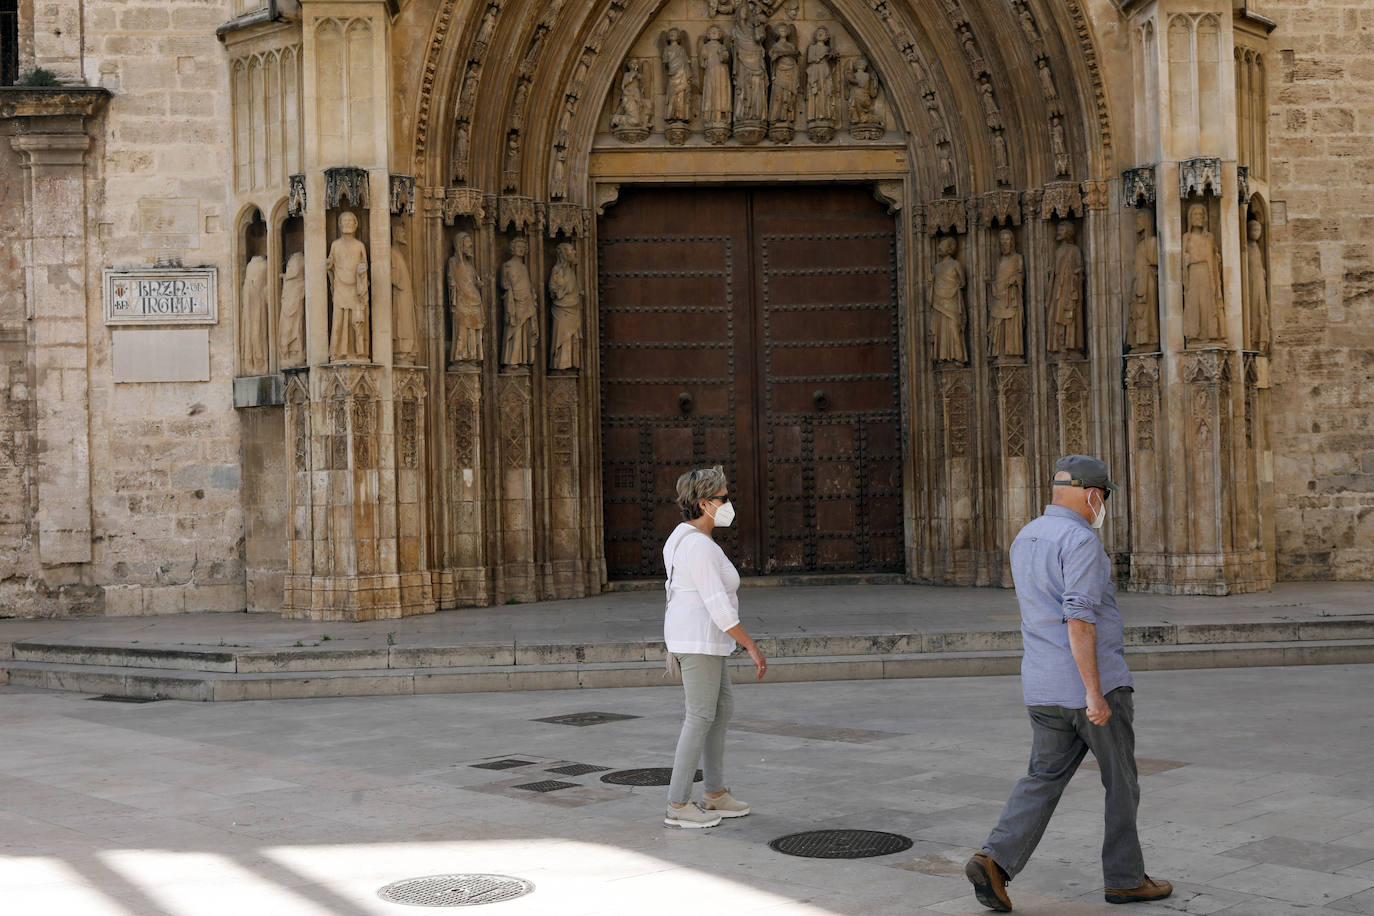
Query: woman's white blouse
{"points": [[702, 594]]}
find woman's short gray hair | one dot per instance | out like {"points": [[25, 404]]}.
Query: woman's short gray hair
{"points": [[694, 486]]}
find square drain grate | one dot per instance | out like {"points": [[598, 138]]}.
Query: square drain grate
{"points": [[507, 764], [546, 785], [585, 718], [576, 769]]}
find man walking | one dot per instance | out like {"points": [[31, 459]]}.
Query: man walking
{"points": [[1077, 690]]}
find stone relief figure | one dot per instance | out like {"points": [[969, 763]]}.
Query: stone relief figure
{"points": [[991, 113], [1204, 309], [1257, 286], [716, 94], [1007, 310], [820, 88], [782, 97], [350, 293], [1001, 158], [511, 178], [947, 299], [465, 301], [291, 321], [253, 315], [558, 174], [1143, 324], [677, 63], [632, 116], [461, 142], [565, 307], [1059, 145], [405, 344], [1066, 293], [751, 73], [865, 113], [519, 305]]}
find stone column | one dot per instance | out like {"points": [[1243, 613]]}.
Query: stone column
{"points": [[52, 143]]}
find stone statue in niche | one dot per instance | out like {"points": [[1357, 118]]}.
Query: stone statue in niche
{"points": [[253, 315], [865, 112], [1001, 158], [350, 293], [632, 116], [565, 307], [511, 179], [947, 299], [519, 305], [783, 95], [465, 302], [1007, 312], [716, 94], [558, 174], [1143, 324], [291, 322], [677, 105], [751, 74], [1047, 87], [1204, 309], [405, 343], [991, 113], [1059, 145], [1257, 286], [1066, 293], [461, 142], [820, 88]]}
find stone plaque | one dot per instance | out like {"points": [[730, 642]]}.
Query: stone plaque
{"points": [[161, 296], [169, 222], [161, 355]]}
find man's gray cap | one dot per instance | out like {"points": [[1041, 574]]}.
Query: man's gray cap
{"points": [[1084, 471]]}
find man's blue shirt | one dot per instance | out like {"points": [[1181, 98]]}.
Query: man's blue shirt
{"points": [[1062, 573]]}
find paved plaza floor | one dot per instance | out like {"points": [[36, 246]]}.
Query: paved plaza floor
{"points": [[1257, 799]]}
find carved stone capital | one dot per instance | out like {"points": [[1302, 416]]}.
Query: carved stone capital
{"points": [[402, 193], [1063, 199], [1138, 187], [1001, 207], [295, 195], [1199, 176], [346, 182], [515, 212], [568, 219], [463, 202], [1095, 194], [1142, 371], [948, 214]]}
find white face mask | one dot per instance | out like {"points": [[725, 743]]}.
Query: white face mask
{"points": [[1100, 513], [724, 515]]}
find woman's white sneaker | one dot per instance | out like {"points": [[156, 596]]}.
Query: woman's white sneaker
{"points": [[690, 815], [726, 806]]}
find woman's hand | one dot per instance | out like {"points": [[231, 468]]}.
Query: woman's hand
{"points": [[760, 663]]}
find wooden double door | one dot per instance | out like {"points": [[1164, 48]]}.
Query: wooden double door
{"points": [[755, 328]]}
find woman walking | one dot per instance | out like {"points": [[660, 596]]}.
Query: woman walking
{"points": [[701, 627]]}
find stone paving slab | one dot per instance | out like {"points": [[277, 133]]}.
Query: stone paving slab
{"points": [[309, 806]]}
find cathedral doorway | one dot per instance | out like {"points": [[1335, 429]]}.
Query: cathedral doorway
{"points": [[756, 328]]}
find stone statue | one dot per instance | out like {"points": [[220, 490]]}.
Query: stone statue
{"points": [[291, 322], [1060, 147], [461, 142], [820, 88], [677, 103], [565, 294], [631, 119], [1001, 158], [716, 94], [1143, 326], [519, 304], [782, 98], [1204, 309], [865, 116], [991, 113], [465, 301], [558, 174], [947, 299], [405, 344], [253, 315], [751, 73], [346, 267], [1066, 293], [1007, 309], [511, 178], [1257, 285]]}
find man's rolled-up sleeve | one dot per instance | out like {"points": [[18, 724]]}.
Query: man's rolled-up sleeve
{"points": [[1085, 578]]}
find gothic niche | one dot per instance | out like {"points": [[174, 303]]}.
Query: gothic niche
{"points": [[865, 106], [350, 292], [254, 298], [634, 113], [1142, 314], [677, 95], [1258, 332], [1007, 303], [405, 318], [464, 287], [1065, 302], [519, 308], [949, 317], [291, 302], [565, 310], [1204, 306]]}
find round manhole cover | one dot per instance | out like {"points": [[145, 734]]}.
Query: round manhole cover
{"points": [[648, 776], [841, 844], [455, 890]]}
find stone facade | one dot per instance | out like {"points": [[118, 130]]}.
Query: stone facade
{"points": [[402, 471]]}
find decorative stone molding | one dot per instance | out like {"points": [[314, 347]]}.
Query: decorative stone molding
{"points": [[44, 102], [918, 220], [1209, 366], [402, 188], [1197, 177], [1063, 199], [1030, 203], [463, 202], [889, 193], [1001, 207], [1138, 187], [946, 215], [1095, 194], [569, 219], [1142, 381], [346, 181], [606, 196], [515, 212], [295, 195]]}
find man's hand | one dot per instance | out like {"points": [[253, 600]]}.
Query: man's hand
{"points": [[1098, 710]]}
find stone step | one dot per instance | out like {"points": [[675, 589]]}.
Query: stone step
{"points": [[265, 685], [239, 660]]}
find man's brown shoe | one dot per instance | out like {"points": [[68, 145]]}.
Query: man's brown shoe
{"points": [[989, 885], [1152, 889]]}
